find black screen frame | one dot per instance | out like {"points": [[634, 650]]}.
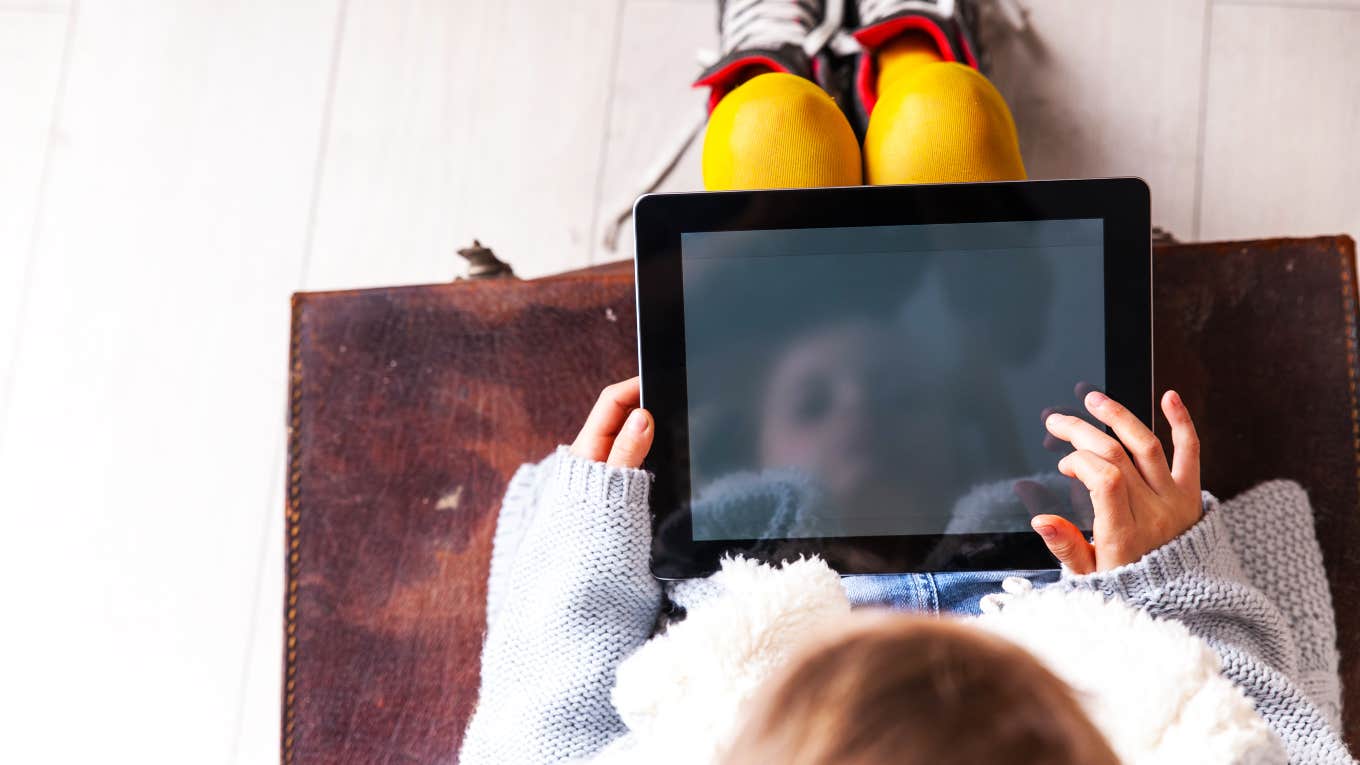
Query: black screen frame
{"points": [[1123, 204]]}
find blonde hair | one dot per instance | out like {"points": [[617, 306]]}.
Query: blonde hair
{"points": [[902, 689]]}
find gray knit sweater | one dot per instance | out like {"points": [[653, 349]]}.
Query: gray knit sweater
{"points": [[570, 596]]}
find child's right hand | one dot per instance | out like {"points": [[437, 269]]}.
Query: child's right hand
{"points": [[617, 431], [1140, 501]]}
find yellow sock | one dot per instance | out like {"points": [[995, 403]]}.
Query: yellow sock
{"points": [[937, 122], [902, 56], [778, 130]]}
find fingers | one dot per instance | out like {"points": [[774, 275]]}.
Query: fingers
{"points": [[1184, 441], [1084, 436], [1066, 542], [633, 441], [1062, 537], [617, 431], [1142, 444], [1108, 486], [606, 419], [1037, 499], [1083, 514], [1057, 445], [1051, 442]]}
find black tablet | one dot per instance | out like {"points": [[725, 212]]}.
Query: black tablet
{"points": [[863, 373]]}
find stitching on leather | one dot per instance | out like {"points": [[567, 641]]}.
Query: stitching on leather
{"points": [[292, 506], [1348, 307]]}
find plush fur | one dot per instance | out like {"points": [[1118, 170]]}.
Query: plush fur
{"points": [[1155, 690], [681, 694]]}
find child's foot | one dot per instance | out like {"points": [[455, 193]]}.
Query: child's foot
{"points": [[760, 36], [898, 35]]}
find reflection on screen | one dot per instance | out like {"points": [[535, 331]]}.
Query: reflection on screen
{"points": [[886, 380]]}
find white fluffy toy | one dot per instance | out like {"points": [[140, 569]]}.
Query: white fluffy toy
{"points": [[1156, 691]]}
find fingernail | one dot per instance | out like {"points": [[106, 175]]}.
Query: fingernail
{"points": [[1046, 531], [1175, 398], [1050, 420], [1095, 399], [637, 422]]}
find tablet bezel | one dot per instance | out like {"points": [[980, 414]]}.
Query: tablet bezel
{"points": [[660, 219]]}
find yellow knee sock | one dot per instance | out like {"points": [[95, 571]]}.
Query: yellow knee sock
{"points": [[937, 122], [902, 56], [779, 131]]}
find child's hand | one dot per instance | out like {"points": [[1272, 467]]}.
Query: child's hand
{"points": [[617, 431], [1139, 503]]}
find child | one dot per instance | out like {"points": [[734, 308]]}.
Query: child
{"points": [[570, 594]]}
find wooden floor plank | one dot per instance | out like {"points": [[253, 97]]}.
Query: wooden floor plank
{"points": [[453, 121], [258, 721], [1306, 4], [1109, 87], [31, 46], [653, 105], [58, 7], [1281, 130], [150, 380]]}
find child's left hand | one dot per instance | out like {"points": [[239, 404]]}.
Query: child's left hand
{"points": [[617, 432], [1140, 502]]}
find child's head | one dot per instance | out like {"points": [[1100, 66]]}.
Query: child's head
{"points": [[910, 689]]}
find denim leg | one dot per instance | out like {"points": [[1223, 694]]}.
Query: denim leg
{"points": [[960, 591], [948, 591], [906, 592]]}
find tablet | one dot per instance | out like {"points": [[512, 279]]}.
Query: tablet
{"points": [[863, 373]]}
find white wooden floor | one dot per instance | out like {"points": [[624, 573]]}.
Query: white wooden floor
{"points": [[170, 170]]}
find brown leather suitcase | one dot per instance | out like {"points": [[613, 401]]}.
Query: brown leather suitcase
{"points": [[410, 408]]}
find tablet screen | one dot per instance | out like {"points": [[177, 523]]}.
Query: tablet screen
{"points": [[884, 380]]}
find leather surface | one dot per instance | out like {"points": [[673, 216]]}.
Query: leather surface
{"points": [[411, 407], [1260, 339]]}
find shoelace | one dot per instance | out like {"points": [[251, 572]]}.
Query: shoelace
{"points": [[767, 23], [774, 23], [871, 11]]}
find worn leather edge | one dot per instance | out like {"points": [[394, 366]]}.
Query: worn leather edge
{"points": [[1346, 255], [292, 507], [588, 274], [609, 268], [625, 265], [1350, 306]]}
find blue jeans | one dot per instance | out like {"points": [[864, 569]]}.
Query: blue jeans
{"points": [[951, 592]]}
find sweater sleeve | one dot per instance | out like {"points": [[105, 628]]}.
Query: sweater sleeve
{"points": [[1248, 579], [570, 595]]}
